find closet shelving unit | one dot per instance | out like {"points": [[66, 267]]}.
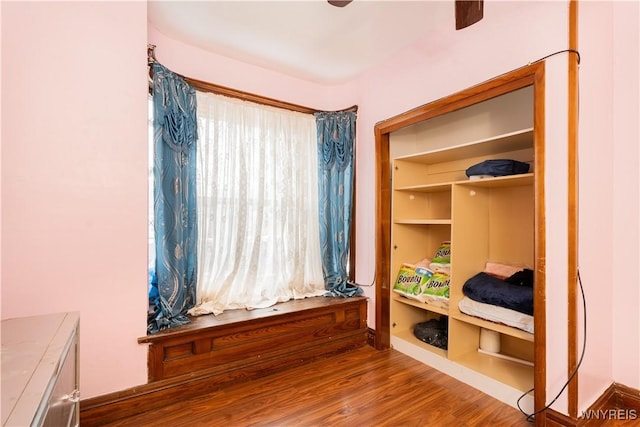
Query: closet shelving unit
{"points": [[490, 219]]}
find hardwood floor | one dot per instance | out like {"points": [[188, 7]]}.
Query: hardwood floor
{"points": [[364, 387]]}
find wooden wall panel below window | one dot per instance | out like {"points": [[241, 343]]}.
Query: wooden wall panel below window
{"points": [[256, 340]]}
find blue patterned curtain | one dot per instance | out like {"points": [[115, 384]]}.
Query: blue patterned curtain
{"points": [[175, 135], [336, 138]]}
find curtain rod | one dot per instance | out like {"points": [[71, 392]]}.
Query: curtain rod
{"points": [[234, 93]]}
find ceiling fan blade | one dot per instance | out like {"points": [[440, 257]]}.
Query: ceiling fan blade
{"points": [[339, 3], [468, 12]]}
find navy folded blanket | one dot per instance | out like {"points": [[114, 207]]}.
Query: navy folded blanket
{"points": [[490, 290]]}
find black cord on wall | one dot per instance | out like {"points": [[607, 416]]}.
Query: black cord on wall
{"points": [[556, 53], [531, 417]]}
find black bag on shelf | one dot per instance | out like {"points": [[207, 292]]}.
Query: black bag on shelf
{"points": [[498, 167], [433, 332]]}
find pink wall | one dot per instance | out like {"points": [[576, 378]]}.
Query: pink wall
{"points": [[609, 186], [82, 246], [597, 253], [625, 329], [74, 186]]}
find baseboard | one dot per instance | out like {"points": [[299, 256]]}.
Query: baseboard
{"points": [[556, 419], [627, 397], [618, 402], [605, 402], [371, 337]]}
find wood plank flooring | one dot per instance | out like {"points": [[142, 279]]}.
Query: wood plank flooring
{"points": [[364, 387]]}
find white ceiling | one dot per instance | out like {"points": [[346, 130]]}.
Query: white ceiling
{"points": [[307, 39]]}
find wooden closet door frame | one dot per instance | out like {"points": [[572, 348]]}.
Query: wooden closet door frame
{"points": [[530, 75]]}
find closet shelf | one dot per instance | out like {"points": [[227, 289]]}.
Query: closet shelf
{"points": [[421, 305], [507, 142], [422, 221], [498, 327], [514, 374], [408, 336], [428, 188]]}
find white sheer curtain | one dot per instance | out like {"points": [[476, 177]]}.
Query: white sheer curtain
{"points": [[257, 206]]}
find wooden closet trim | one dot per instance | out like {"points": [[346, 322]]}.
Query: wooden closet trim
{"points": [[540, 231], [533, 74], [572, 214]]}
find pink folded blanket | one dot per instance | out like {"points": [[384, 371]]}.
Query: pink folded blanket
{"points": [[501, 271]]}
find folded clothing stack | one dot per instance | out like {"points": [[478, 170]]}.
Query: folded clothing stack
{"points": [[497, 167], [502, 293]]}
